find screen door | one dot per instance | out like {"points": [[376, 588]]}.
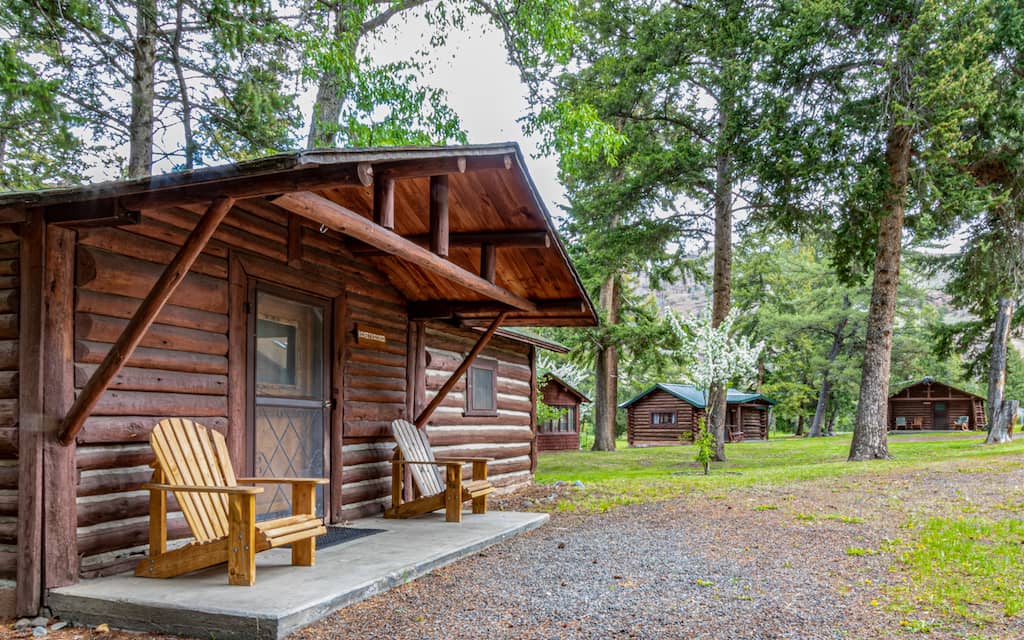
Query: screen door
{"points": [[290, 406]]}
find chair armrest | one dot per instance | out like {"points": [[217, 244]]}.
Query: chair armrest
{"points": [[200, 489], [465, 460], [283, 480], [436, 463]]}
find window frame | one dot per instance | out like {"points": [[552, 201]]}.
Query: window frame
{"points": [[566, 417], [674, 422], [486, 364]]}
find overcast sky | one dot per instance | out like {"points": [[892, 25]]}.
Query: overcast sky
{"points": [[483, 89]]}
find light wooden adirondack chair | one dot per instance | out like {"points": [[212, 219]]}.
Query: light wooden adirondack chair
{"points": [[192, 462], [432, 490]]}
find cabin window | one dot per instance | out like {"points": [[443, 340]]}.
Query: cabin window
{"points": [[482, 388], [663, 418], [564, 423]]}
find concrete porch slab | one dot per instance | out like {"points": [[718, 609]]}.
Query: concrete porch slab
{"points": [[286, 598]]}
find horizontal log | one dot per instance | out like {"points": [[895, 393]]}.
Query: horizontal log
{"points": [[100, 328], [9, 532], [8, 503], [374, 395], [340, 219], [97, 540], [10, 249], [90, 352], [472, 449], [123, 307], [374, 383], [368, 510], [510, 481], [124, 429], [8, 325], [8, 355], [8, 443], [8, 562], [367, 428], [111, 273], [140, 247], [369, 455], [8, 477], [375, 356], [509, 465], [148, 403], [359, 473], [8, 413], [9, 282], [115, 507], [490, 435], [365, 490], [373, 411], [232, 237], [157, 230], [9, 301], [8, 384], [10, 232], [97, 483], [113, 456], [357, 370], [135, 379], [506, 386], [9, 267]]}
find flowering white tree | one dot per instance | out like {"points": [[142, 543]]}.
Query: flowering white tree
{"points": [[718, 358]]}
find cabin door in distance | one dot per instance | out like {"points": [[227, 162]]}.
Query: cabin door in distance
{"points": [[288, 391], [940, 418]]}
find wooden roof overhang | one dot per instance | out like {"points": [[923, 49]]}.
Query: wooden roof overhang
{"points": [[491, 254], [380, 201]]}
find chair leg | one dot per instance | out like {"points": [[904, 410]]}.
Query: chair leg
{"points": [[453, 493], [242, 539], [480, 473], [304, 503]]}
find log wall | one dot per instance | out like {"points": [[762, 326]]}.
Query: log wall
{"points": [[10, 250], [642, 433], [507, 437], [182, 366]]}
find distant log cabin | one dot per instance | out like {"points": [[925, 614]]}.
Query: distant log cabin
{"points": [[562, 433], [666, 414], [297, 304], [930, 404]]}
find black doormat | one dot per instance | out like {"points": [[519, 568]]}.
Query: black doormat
{"points": [[337, 535]]}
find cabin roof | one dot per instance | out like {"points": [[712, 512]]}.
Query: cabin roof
{"points": [[490, 194], [694, 396], [931, 380], [568, 387]]}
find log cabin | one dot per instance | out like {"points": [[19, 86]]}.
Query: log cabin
{"points": [[297, 303], [930, 404], [563, 432], [667, 414]]}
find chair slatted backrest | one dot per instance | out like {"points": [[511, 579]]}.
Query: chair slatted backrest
{"points": [[415, 446], [189, 454]]}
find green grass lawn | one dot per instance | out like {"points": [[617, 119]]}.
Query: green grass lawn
{"points": [[627, 475]]}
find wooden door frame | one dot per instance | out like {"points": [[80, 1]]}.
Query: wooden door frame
{"points": [[244, 267]]}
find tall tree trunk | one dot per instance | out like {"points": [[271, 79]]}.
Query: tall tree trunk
{"points": [[606, 371], [186, 102], [999, 419], [140, 129], [799, 425], [721, 297], [330, 95], [826, 382], [869, 434]]}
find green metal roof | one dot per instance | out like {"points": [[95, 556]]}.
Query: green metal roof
{"points": [[692, 395]]}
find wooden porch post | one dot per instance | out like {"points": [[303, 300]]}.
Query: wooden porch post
{"points": [[31, 397], [144, 317], [442, 393]]}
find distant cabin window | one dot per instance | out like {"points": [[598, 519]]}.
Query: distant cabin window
{"points": [[663, 418], [564, 423], [482, 388]]}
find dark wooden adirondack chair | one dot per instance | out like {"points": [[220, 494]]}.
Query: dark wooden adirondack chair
{"points": [[192, 462], [433, 491]]}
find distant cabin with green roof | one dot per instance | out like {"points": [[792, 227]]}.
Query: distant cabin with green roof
{"points": [[665, 414]]}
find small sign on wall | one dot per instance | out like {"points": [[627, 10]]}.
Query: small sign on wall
{"points": [[367, 336]]}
